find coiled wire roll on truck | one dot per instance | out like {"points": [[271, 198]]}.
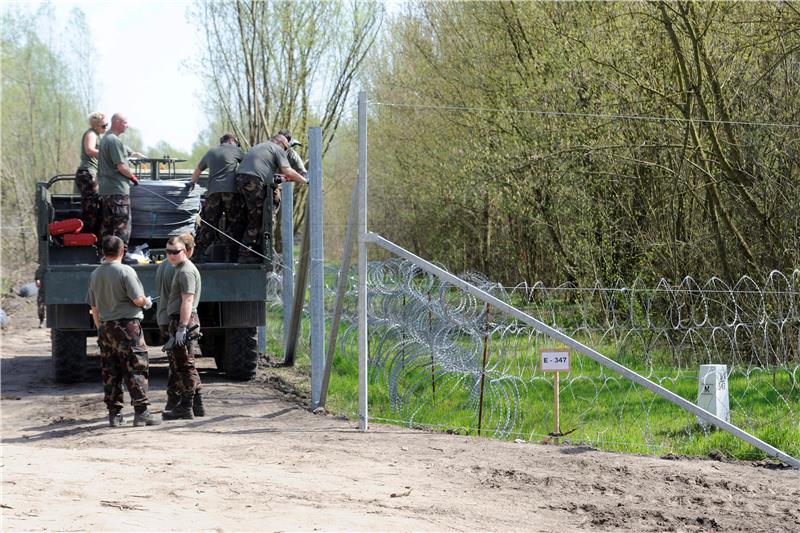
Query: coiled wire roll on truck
{"points": [[233, 302]]}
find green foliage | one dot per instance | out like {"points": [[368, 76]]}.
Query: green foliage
{"points": [[41, 120], [569, 185]]}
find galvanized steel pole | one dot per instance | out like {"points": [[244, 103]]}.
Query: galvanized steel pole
{"points": [[317, 271], [363, 341]]}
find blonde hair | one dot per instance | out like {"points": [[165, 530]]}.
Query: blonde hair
{"points": [[96, 119], [188, 240]]}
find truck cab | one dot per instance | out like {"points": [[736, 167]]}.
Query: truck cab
{"points": [[234, 297]]}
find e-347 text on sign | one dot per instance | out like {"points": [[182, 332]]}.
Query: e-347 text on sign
{"points": [[555, 360]]}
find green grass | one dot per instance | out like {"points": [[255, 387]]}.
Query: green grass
{"points": [[601, 408]]}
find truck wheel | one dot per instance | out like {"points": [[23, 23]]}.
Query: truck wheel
{"points": [[241, 353], [69, 355]]}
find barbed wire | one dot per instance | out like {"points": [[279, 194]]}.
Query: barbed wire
{"points": [[446, 358]]}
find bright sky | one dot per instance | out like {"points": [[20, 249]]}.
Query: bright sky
{"points": [[144, 53]]}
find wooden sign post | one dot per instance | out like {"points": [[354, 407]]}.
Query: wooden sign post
{"points": [[555, 360]]}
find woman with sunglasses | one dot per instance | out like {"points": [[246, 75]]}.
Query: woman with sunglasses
{"points": [[184, 294], [86, 175]]}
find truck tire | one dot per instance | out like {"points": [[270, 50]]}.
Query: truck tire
{"points": [[241, 353], [69, 355]]}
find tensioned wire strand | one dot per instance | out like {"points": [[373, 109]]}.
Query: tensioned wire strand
{"points": [[572, 114]]}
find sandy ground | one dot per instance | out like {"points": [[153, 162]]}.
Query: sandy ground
{"points": [[261, 462]]}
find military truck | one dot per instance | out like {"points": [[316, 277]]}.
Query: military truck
{"points": [[232, 305]]}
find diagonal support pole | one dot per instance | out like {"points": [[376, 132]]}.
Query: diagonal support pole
{"points": [[341, 287]]}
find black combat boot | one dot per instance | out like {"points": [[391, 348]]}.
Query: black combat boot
{"points": [[182, 411], [197, 407], [115, 419], [172, 401], [143, 417]]}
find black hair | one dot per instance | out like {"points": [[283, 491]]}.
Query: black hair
{"points": [[229, 137]]}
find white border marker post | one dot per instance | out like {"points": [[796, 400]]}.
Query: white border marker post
{"points": [[555, 360]]}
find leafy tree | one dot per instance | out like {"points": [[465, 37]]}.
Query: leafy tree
{"points": [[41, 123], [274, 64], [517, 138]]}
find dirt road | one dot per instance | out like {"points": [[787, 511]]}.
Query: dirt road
{"points": [[260, 462]]}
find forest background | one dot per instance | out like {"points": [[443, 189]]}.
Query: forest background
{"points": [[582, 142]]}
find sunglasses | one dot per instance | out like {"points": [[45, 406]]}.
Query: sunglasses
{"points": [[174, 252]]}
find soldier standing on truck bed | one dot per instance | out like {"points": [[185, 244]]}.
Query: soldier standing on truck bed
{"points": [[184, 295], [117, 299], [86, 175], [222, 162], [114, 177], [257, 173]]}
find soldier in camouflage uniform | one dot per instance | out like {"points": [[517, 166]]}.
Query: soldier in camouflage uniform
{"points": [[256, 173], [86, 175], [115, 177], [38, 277], [165, 273], [117, 299], [184, 296], [221, 162]]}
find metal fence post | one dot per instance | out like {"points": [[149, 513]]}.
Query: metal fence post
{"points": [[287, 239], [317, 268], [363, 341]]}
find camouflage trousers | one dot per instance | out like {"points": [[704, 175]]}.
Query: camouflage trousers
{"points": [[230, 204], [116, 216], [90, 201], [251, 189], [183, 381], [123, 358]]}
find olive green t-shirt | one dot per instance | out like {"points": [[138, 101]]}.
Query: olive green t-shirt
{"points": [[88, 162], [112, 287], [164, 276], [263, 160], [112, 153], [186, 281], [221, 162]]}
